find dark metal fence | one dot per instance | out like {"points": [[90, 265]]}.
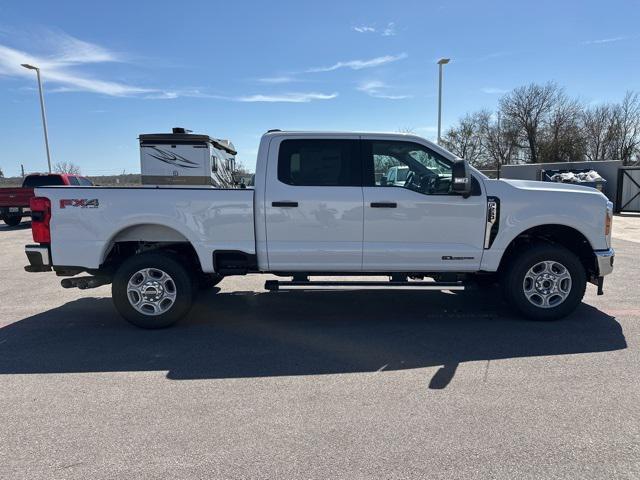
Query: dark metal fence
{"points": [[628, 190]]}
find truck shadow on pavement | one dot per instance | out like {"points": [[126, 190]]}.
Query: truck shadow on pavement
{"points": [[21, 226], [247, 334]]}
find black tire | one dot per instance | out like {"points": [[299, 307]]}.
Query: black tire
{"points": [[513, 282], [179, 283], [209, 280], [486, 281], [13, 221]]}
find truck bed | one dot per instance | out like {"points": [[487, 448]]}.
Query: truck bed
{"points": [[85, 222]]}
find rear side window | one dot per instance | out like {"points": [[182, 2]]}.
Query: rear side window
{"points": [[321, 163], [34, 181], [85, 182], [73, 181]]}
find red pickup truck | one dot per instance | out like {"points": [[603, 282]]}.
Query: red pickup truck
{"points": [[14, 202]]}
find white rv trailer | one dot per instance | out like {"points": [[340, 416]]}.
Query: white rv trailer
{"points": [[182, 158]]}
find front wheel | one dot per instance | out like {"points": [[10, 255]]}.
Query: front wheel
{"points": [[545, 282], [152, 290], [209, 280], [13, 221]]}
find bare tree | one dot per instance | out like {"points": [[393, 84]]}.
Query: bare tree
{"points": [[597, 130], [242, 169], [626, 128], [501, 140], [527, 107], [549, 126], [562, 138], [1, 173], [66, 167], [466, 138]]}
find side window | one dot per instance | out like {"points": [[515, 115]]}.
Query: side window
{"points": [[327, 163], [85, 182], [73, 181], [407, 165]]}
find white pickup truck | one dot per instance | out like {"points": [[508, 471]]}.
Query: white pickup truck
{"points": [[322, 206]]}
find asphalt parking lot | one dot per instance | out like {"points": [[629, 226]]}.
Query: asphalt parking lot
{"points": [[317, 385]]}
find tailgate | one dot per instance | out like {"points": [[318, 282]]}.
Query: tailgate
{"points": [[15, 197]]}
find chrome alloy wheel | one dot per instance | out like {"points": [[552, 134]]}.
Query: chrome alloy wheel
{"points": [[151, 291], [547, 284]]}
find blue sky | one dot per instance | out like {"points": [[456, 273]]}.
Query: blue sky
{"points": [[113, 70]]}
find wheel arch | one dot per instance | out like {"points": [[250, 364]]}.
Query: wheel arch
{"points": [[130, 239], [567, 236]]}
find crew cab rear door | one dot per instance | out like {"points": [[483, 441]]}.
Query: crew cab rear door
{"points": [[418, 225], [313, 204]]}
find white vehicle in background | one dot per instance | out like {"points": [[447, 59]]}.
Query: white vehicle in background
{"points": [[396, 176], [319, 208], [181, 158]]}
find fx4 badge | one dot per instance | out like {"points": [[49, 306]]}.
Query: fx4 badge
{"points": [[79, 202], [449, 257]]}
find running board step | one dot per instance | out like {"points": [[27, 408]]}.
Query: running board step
{"points": [[275, 285]]}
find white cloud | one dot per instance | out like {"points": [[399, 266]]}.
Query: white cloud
{"points": [[359, 64], [285, 97], [605, 40], [71, 51], [66, 55], [364, 29], [390, 30], [378, 89], [281, 79], [58, 68], [489, 56], [494, 90]]}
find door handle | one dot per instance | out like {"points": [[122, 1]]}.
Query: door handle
{"points": [[384, 205], [284, 204]]}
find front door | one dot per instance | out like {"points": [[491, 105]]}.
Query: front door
{"points": [[413, 222], [313, 205]]}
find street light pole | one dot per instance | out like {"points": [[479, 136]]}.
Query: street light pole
{"points": [[44, 116], [441, 62]]}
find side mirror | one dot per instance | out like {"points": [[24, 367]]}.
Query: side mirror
{"points": [[461, 178], [383, 181]]}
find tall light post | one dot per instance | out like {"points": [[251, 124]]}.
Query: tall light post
{"points": [[44, 116], [441, 62]]}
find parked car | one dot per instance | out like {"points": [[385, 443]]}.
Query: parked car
{"points": [[396, 176], [319, 209], [14, 202]]}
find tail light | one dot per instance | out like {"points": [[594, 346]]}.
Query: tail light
{"points": [[40, 219]]}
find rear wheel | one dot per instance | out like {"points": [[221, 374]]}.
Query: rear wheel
{"points": [[545, 282], [13, 220], [152, 290]]}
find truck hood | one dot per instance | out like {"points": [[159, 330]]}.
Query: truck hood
{"points": [[550, 186], [526, 204]]}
